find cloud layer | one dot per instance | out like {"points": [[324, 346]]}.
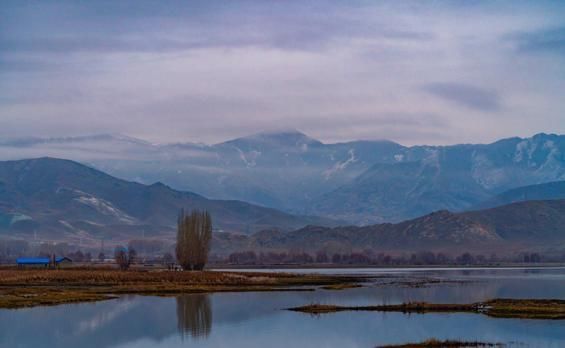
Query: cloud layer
{"points": [[413, 72]]}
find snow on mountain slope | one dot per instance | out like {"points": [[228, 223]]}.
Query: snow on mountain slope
{"points": [[291, 171]]}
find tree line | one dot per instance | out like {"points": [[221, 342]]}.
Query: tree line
{"points": [[193, 242], [368, 257], [194, 235]]}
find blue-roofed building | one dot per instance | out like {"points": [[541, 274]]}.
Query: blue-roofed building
{"points": [[42, 261]]}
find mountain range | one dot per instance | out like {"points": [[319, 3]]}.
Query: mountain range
{"points": [[65, 200], [547, 191], [523, 226], [361, 182]]}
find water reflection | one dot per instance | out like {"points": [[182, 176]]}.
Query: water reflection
{"points": [[194, 315], [256, 319]]}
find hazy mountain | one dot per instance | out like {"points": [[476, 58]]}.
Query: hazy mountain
{"points": [[62, 199], [284, 170], [361, 181], [550, 190], [532, 225], [457, 177], [529, 221]]}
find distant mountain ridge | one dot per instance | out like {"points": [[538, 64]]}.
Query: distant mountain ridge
{"points": [[531, 225], [363, 182], [445, 177], [62, 199], [550, 190], [67, 201], [283, 170]]}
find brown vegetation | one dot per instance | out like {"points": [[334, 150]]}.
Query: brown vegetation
{"points": [[500, 308], [373, 258], [342, 286], [194, 234], [444, 344], [531, 309], [124, 257], [409, 307], [30, 287]]}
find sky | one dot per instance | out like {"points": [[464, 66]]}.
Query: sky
{"points": [[415, 72]]}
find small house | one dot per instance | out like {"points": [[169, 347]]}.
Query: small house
{"points": [[42, 261]]}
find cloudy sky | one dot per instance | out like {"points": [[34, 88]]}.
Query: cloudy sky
{"points": [[422, 72]]}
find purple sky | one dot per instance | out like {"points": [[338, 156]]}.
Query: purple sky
{"points": [[421, 72]]}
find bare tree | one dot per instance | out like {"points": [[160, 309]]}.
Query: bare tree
{"points": [[132, 255], [124, 257], [168, 260], [182, 248], [194, 234]]}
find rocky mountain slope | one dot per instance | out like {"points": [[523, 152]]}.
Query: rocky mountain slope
{"points": [[62, 199], [531, 225], [283, 170], [363, 182], [550, 190], [456, 177]]}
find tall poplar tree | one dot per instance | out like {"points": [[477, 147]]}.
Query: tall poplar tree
{"points": [[194, 235]]}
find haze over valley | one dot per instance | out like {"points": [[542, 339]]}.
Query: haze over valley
{"points": [[360, 182], [286, 191]]}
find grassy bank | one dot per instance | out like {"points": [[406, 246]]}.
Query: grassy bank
{"points": [[30, 287], [444, 344], [499, 308]]}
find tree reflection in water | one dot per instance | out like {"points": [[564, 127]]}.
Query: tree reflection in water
{"points": [[194, 315]]}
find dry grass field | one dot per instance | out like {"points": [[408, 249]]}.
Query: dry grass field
{"points": [[30, 287]]}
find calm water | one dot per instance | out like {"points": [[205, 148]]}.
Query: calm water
{"points": [[257, 319]]}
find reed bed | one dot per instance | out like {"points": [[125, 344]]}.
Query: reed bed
{"points": [[29, 287]]}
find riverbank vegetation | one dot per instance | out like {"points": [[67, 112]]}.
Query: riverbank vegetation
{"points": [[499, 308], [164, 252], [371, 258], [31, 287], [431, 343]]}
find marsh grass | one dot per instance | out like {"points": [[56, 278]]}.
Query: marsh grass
{"points": [[444, 344], [31, 287], [341, 286], [499, 308]]}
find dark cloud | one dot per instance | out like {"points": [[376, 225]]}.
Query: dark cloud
{"points": [[115, 27], [11, 65], [466, 95], [545, 41], [211, 70]]}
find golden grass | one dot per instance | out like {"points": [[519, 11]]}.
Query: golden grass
{"points": [[409, 307], [342, 286], [444, 344], [527, 309], [499, 308], [30, 287]]}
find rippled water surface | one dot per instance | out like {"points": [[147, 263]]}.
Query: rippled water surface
{"points": [[259, 319]]}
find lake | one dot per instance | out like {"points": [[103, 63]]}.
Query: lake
{"points": [[258, 319]]}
